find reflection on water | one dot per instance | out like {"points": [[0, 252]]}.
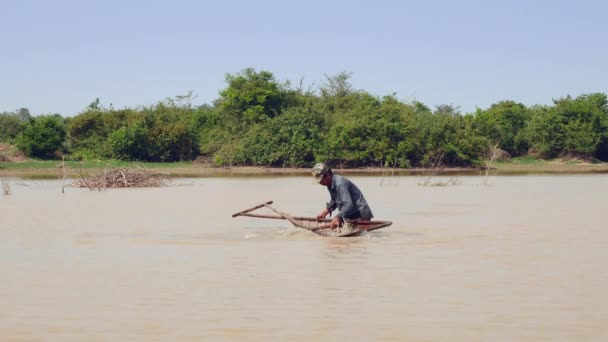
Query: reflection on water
{"points": [[351, 248], [521, 260]]}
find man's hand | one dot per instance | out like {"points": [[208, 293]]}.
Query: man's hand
{"points": [[323, 214], [335, 223]]}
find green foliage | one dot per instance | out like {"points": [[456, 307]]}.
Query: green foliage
{"points": [[168, 131], [251, 96], [89, 164], [337, 85], [10, 126], [42, 136], [258, 121], [503, 124], [87, 134], [526, 160], [571, 127], [445, 137], [584, 120], [128, 143], [171, 135], [545, 133], [24, 114], [374, 139], [289, 140]]}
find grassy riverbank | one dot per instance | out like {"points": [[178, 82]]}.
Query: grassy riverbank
{"points": [[527, 165], [54, 168]]}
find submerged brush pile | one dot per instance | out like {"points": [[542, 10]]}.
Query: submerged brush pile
{"points": [[124, 178]]}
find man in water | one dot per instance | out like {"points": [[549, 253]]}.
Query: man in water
{"points": [[345, 196]]}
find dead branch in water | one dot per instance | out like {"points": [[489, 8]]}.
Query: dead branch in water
{"points": [[436, 169], [63, 174], [5, 183], [82, 181], [124, 178], [489, 160], [388, 177]]}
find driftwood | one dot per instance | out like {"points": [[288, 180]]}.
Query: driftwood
{"points": [[124, 178]]}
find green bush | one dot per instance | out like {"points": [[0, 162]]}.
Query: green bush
{"points": [[10, 126], [42, 136], [572, 127], [128, 143]]}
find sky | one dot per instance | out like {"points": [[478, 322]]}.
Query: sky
{"points": [[59, 56]]}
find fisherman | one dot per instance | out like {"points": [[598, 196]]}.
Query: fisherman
{"points": [[345, 196]]}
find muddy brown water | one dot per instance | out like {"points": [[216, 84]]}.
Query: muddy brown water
{"points": [[523, 259]]}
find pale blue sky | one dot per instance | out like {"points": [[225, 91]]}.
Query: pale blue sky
{"points": [[58, 56]]}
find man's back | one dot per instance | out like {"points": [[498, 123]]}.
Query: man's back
{"points": [[348, 199]]}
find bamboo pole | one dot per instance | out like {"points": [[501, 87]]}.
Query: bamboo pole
{"points": [[251, 209]]}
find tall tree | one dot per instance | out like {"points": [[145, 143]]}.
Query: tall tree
{"points": [[251, 96]]}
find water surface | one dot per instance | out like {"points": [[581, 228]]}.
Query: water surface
{"points": [[522, 259]]}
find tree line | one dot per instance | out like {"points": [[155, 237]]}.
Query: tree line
{"points": [[260, 121]]}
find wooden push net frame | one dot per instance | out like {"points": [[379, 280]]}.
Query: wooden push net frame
{"points": [[318, 226]]}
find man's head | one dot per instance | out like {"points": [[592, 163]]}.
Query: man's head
{"points": [[319, 173]]}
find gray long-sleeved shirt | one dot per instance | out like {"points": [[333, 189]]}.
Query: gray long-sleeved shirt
{"points": [[348, 199]]}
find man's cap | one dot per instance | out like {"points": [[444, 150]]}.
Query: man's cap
{"points": [[319, 170]]}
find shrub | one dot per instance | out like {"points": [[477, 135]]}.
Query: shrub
{"points": [[42, 136]]}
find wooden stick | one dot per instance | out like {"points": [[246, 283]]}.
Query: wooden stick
{"points": [[263, 216], [325, 226], [63, 173], [285, 216], [124, 178], [315, 219], [251, 209]]}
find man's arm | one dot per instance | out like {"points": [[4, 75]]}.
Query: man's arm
{"points": [[323, 214], [329, 206]]}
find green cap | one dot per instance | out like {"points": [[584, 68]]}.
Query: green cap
{"points": [[319, 170]]}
